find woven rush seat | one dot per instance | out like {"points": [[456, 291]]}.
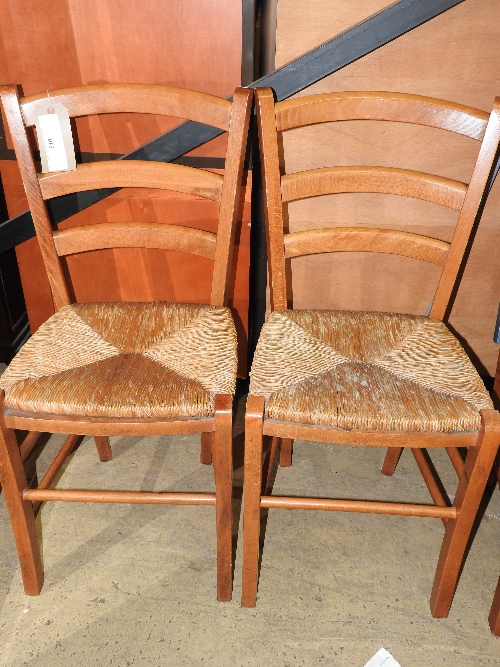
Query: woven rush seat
{"points": [[365, 370], [120, 360]]}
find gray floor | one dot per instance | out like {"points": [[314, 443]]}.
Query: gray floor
{"points": [[136, 585]]}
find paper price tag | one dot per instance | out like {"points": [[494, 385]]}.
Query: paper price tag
{"points": [[382, 658], [55, 139]]}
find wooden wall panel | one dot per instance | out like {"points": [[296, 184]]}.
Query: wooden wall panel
{"points": [[187, 43], [454, 57]]}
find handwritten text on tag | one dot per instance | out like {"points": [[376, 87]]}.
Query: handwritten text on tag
{"points": [[53, 142]]}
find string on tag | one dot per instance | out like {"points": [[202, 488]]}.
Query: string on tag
{"points": [[50, 108]]}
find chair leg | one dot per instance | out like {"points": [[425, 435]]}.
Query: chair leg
{"points": [[286, 451], [254, 420], [103, 448], [206, 451], [391, 460], [470, 489], [223, 470], [494, 617], [21, 513], [267, 469]]}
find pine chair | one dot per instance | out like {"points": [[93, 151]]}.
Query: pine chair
{"points": [[137, 369], [369, 378]]}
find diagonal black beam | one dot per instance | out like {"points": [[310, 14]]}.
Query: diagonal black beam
{"points": [[352, 44], [365, 37]]}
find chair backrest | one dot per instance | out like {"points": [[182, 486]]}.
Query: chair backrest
{"points": [[232, 117], [280, 189]]}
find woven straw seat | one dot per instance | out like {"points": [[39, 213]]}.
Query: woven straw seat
{"points": [[137, 360], [366, 371]]}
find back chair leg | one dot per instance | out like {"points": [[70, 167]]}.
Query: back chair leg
{"points": [[470, 489], [391, 460], [223, 470], [286, 451], [267, 469], [13, 480], [103, 448], [254, 420], [206, 451]]}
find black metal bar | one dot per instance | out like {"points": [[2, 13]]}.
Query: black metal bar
{"points": [[248, 44]]}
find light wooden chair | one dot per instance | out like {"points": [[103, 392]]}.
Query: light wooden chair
{"points": [[139, 369], [369, 378]]}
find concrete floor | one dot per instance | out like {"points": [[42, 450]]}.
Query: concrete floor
{"points": [[136, 585]]}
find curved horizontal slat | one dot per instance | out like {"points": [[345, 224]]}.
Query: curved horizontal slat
{"points": [[362, 239], [397, 107], [137, 174], [387, 180], [135, 98], [135, 235]]}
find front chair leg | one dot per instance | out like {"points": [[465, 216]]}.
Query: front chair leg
{"points": [[21, 513], [223, 471], [470, 489], [254, 420], [103, 448]]}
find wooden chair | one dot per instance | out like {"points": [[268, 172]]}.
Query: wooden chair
{"points": [[138, 369], [366, 378]]}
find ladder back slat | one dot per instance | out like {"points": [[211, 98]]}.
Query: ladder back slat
{"points": [[387, 180], [356, 239], [135, 234], [137, 174]]}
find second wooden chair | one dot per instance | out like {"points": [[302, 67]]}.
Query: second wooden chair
{"points": [[370, 378]]}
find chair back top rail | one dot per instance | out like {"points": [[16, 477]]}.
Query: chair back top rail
{"points": [[134, 98], [396, 107], [399, 107], [138, 98]]}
